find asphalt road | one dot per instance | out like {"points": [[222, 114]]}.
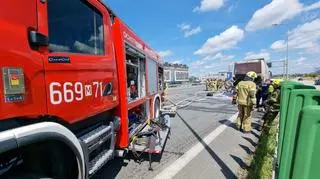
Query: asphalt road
{"points": [[311, 83], [177, 95], [192, 123]]}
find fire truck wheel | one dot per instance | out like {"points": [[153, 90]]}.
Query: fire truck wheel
{"points": [[46, 160], [63, 162], [157, 109]]}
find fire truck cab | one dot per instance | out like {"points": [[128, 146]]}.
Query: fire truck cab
{"points": [[78, 87]]}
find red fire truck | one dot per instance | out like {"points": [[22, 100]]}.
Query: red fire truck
{"points": [[78, 87]]}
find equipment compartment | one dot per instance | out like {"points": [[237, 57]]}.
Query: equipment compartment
{"points": [[136, 74]]}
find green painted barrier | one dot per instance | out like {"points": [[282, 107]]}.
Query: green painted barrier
{"points": [[307, 150], [298, 99], [286, 88]]}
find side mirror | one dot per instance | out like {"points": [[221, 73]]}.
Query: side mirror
{"points": [[269, 64]]}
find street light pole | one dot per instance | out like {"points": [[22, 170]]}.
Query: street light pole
{"points": [[287, 57], [284, 69], [286, 61]]}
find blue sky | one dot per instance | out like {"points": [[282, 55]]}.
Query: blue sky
{"points": [[209, 35]]}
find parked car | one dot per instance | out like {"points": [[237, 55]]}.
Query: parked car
{"points": [[300, 79], [317, 82]]}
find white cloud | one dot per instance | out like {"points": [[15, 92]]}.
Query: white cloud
{"points": [[165, 53], [261, 54], [188, 30], [303, 65], [176, 61], [233, 6], [300, 61], [210, 68], [312, 6], [305, 37], [193, 31], [209, 5], [184, 26], [310, 16], [225, 40], [219, 56], [209, 61], [278, 45], [198, 63], [276, 12], [230, 8]]}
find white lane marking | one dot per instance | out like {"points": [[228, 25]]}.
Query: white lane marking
{"points": [[195, 100], [181, 162], [184, 100], [188, 98]]}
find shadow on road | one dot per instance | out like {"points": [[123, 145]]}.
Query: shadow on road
{"points": [[246, 149], [114, 166], [227, 172], [255, 134], [111, 169], [250, 141], [229, 124], [240, 162], [255, 125]]}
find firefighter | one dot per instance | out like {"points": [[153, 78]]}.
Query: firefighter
{"points": [[219, 84], [165, 92], [211, 85], [207, 84], [246, 98], [258, 82], [271, 87], [265, 92], [215, 85], [272, 104]]}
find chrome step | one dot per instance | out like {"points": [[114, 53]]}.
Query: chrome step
{"points": [[95, 134], [97, 153], [99, 161]]}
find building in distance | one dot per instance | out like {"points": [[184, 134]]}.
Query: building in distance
{"points": [[176, 73]]}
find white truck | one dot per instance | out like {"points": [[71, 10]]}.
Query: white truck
{"points": [[257, 65]]}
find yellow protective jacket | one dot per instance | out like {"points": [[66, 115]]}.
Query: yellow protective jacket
{"points": [[275, 96], [246, 93], [270, 88]]}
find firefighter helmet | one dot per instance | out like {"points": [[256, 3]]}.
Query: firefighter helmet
{"points": [[252, 74], [276, 82]]}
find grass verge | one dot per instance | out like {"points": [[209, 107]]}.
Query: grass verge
{"points": [[262, 160]]}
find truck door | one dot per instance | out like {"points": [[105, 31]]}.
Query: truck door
{"points": [[22, 91], [80, 66]]}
